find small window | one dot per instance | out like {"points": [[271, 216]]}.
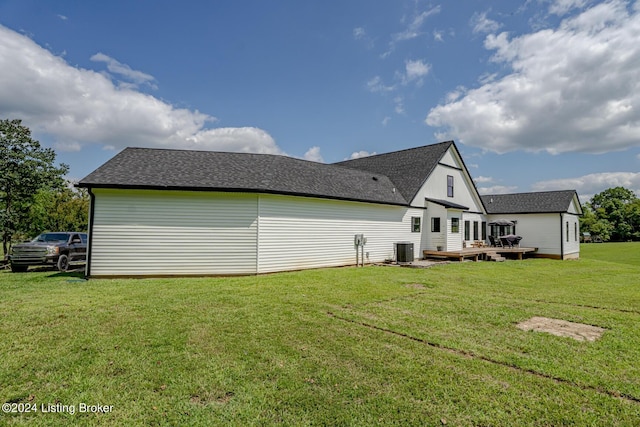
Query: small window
{"points": [[455, 225], [476, 234], [484, 230], [567, 229], [449, 186], [415, 224], [575, 231], [435, 225], [467, 230]]}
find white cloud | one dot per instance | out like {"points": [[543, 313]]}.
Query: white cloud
{"points": [[483, 179], [360, 154], [482, 24], [359, 33], [574, 88], [438, 36], [413, 72], [313, 154], [116, 67], [412, 30], [399, 108], [562, 7], [497, 189], [375, 84], [594, 183], [62, 17], [387, 119], [68, 146], [417, 69], [77, 106]]}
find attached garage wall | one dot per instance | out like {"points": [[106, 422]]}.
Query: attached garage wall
{"points": [[146, 232], [298, 232]]}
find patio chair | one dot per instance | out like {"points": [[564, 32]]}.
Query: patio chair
{"points": [[495, 242], [516, 241]]}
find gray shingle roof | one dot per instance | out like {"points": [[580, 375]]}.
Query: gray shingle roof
{"points": [[408, 169], [447, 204], [540, 202], [244, 172]]}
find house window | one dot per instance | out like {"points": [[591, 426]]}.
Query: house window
{"points": [[455, 225], [435, 225], [567, 228], [415, 224], [484, 230], [449, 186], [475, 230], [467, 230], [575, 231]]}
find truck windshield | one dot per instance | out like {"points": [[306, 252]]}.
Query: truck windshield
{"points": [[51, 237]]}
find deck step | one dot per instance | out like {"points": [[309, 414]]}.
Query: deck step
{"points": [[493, 256]]}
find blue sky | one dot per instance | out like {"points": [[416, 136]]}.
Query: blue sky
{"points": [[538, 94]]}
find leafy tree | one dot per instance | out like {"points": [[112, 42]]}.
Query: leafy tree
{"points": [[58, 210], [589, 222], [26, 168], [613, 213], [633, 216]]}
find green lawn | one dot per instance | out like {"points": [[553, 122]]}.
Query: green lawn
{"points": [[346, 346]]}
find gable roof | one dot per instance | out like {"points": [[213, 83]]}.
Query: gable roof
{"points": [[408, 169], [540, 202], [147, 168]]}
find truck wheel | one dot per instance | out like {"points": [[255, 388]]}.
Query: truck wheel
{"points": [[63, 263], [18, 268]]}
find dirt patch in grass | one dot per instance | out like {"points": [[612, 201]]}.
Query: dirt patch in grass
{"points": [[415, 286], [562, 328]]}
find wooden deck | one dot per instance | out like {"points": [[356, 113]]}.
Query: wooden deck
{"points": [[478, 253]]}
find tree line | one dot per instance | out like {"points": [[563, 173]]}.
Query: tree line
{"points": [[613, 214], [35, 197]]}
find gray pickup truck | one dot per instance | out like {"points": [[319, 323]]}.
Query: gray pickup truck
{"points": [[59, 249]]}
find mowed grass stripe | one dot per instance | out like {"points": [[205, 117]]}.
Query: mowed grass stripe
{"points": [[464, 353]]}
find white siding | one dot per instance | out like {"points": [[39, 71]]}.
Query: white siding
{"points": [[537, 230], [547, 232], [449, 159], [435, 187], [572, 244], [144, 232], [298, 233]]}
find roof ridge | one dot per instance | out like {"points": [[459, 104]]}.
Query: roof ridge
{"points": [[529, 192], [240, 153], [396, 151]]}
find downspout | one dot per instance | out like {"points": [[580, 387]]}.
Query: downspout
{"points": [[92, 204], [561, 240], [258, 237]]}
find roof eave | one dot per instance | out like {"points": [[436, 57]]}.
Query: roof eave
{"points": [[236, 190]]}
